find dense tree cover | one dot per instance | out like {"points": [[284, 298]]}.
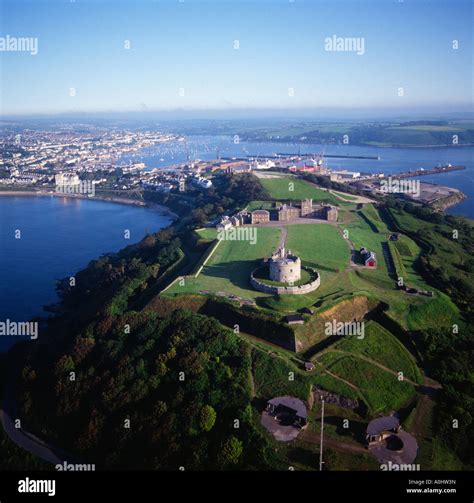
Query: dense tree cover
{"points": [[108, 283], [182, 382], [448, 354], [449, 249], [450, 359], [229, 193], [15, 458]]}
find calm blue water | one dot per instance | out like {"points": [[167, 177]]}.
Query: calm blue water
{"points": [[392, 160], [59, 236]]}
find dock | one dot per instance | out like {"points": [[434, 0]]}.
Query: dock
{"points": [[426, 172]]}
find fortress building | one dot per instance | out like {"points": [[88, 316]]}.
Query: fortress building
{"points": [[260, 217], [288, 212], [285, 267]]}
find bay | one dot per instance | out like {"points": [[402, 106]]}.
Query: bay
{"points": [[59, 236], [392, 160]]}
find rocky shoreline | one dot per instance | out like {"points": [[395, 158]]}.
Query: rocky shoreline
{"points": [[447, 202]]}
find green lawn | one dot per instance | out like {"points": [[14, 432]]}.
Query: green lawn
{"points": [[207, 233], [382, 391], [319, 245], [229, 268], [322, 246], [344, 196], [434, 312], [383, 347], [274, 375], [260, 205], [294, 189]]}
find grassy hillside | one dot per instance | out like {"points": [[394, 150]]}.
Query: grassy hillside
{"points": [[381, 390], [382, 347], [294, 189]]}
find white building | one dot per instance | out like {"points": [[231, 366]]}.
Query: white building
{"points": [[268, 164], [66, 179]]}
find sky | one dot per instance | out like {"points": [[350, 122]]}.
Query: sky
{"points": [[148, 55]]}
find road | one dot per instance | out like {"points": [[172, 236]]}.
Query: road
{"points": [[23, 438]]}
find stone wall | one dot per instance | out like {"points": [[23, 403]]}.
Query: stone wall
{"points": [[282, 290]]}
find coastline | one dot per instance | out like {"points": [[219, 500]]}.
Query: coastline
{"points": [[363, 145], [117, 200], [448, 202]]}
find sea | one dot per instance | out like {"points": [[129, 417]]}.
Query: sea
{"points": [[45, 239]]}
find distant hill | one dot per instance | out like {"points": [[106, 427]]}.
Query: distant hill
{"points": [[405, 134]]}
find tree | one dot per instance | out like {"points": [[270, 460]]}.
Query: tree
{"points": [[198, 216], [207, 418], [231, 451]]}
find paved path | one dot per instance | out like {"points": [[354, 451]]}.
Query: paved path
{"points": [[23, 438], [283, 236], [294, 221], [332, 443], [356, 200]]}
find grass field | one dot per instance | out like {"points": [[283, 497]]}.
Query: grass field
{"points": [[274, 375], [228, 270], [322, 246], [439, 311], [207, 233], [383, 347], [259, 205], [381, 390], [319, 245], [294, 189], [344, 196]]}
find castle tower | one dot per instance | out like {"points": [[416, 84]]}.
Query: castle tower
{"points": [[285, 267]]}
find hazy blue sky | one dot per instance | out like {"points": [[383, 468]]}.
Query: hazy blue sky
{"points": [[190, 45]]}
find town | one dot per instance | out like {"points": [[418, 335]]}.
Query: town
{"points": [[39, 160]]}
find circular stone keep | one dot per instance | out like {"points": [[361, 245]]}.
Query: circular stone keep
{"points": [[286, 270]]}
